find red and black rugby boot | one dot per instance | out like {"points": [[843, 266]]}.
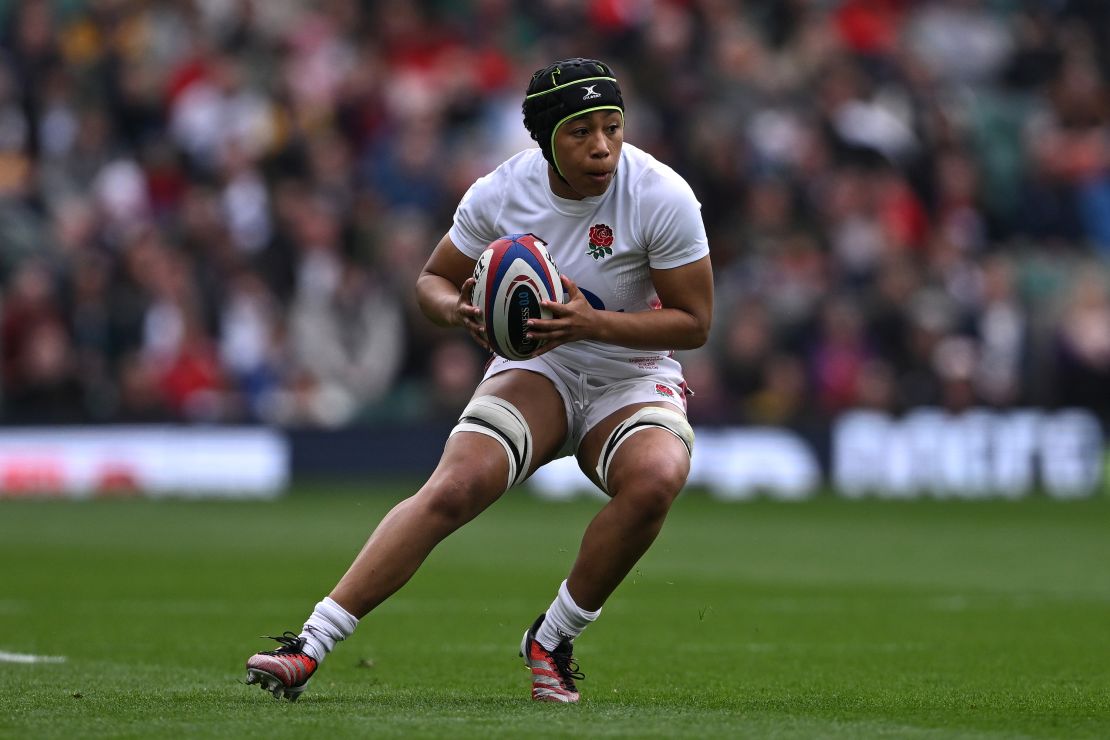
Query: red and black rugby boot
{"points": [[285, 671], [553, 672]]}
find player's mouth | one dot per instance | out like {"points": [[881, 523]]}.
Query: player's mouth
{"points": [[600, 178]]}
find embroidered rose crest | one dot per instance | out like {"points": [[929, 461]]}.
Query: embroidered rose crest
{"points": [[601, 241]]}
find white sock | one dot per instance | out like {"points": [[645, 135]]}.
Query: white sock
{"points": [[328, 624], [564, 620]]}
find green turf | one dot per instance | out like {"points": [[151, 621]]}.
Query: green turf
{"points": [[826, 619]]}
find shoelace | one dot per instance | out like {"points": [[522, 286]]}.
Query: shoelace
{"points": [[568, 667], [290, 643]]}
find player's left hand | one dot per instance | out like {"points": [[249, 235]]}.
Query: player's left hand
{"points": [[469, 316], [570, 321]]}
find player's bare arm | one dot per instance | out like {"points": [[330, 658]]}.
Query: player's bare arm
{"points": [[443, 290], [686, 294]]}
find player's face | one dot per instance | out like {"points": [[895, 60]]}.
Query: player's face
{"points": [[588, 149]]}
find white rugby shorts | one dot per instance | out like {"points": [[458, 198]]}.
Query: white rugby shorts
{"points": [[590, 397]]}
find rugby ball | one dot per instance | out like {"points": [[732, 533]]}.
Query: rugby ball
{"points": [[511, 277]]}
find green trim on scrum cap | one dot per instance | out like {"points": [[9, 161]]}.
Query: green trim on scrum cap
{"points": [[576, 114], [568, 84]]}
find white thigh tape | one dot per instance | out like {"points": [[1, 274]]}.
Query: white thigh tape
{"points": [[646, 418], [499, 419]]}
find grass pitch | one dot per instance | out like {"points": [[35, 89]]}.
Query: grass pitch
{"points": [[829, 619]]}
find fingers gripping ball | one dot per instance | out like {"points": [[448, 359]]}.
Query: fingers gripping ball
{"points": [[512, 276]]}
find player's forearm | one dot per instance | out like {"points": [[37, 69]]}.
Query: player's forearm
{"points": [[437, 297], [663, 329]]}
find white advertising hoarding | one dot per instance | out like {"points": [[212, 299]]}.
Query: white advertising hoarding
{"points": [[976, 454], [926, 453], [148, 460], [731, 463]]}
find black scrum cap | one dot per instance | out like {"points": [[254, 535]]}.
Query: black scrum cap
{"points": [[563, 90]]}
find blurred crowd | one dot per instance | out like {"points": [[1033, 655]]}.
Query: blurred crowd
{"points": [[215, 210]]}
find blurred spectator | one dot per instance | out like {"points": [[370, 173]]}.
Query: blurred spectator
{"points": [[839, 354], [1002, 329], [90, 303], [251, 343], [962, 41], [215, 211], [39, 368], [747, 348], [456, 369], [1083, 345], [709, 402], [346, 332]]}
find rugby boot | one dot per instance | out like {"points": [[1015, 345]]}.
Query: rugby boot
{"points": [[553, 672], [283, 672]]}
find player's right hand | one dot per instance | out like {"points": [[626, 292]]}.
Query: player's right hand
{"points": [[570, 321], [470, 317]]}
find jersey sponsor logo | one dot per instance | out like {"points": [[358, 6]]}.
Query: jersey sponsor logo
{"points": [[591, 93], [601, 241], [664, 391]]}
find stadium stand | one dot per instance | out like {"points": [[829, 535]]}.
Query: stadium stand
{"points": [[213, 211]]}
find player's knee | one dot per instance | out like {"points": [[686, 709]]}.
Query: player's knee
{"points": [[453, 502], [652, 487]]}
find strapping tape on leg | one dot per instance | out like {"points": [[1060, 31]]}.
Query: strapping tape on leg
{"points": [[499, 419], [652, 417]]}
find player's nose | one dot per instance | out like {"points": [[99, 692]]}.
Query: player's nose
{"points": [[599, 145]]}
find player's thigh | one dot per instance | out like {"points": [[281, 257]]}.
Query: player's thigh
{"points": [[541, 405], [475, 468], [653, 455]]}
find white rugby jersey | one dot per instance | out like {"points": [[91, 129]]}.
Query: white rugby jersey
{"points": [[648, 217]]}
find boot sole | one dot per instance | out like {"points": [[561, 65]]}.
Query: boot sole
{"points": [[269, 682]]}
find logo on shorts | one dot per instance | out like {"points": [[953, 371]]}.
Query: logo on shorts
{"points": [[601, 241], [663, 390]]}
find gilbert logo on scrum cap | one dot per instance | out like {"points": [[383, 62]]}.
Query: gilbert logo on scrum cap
{"points": [[591, 93]]}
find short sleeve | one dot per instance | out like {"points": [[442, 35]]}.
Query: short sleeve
{"points": [[473, 227], [674, 233]]}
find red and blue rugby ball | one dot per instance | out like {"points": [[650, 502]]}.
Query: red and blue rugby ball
{"points": [[511, 277]]}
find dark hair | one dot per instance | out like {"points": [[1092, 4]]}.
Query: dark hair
{"points": [[553, 98]]}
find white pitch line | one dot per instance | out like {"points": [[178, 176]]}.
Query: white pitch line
{"points": [[27, 658]]}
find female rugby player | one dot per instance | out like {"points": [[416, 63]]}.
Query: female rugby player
{"points": [[627, 235]]}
